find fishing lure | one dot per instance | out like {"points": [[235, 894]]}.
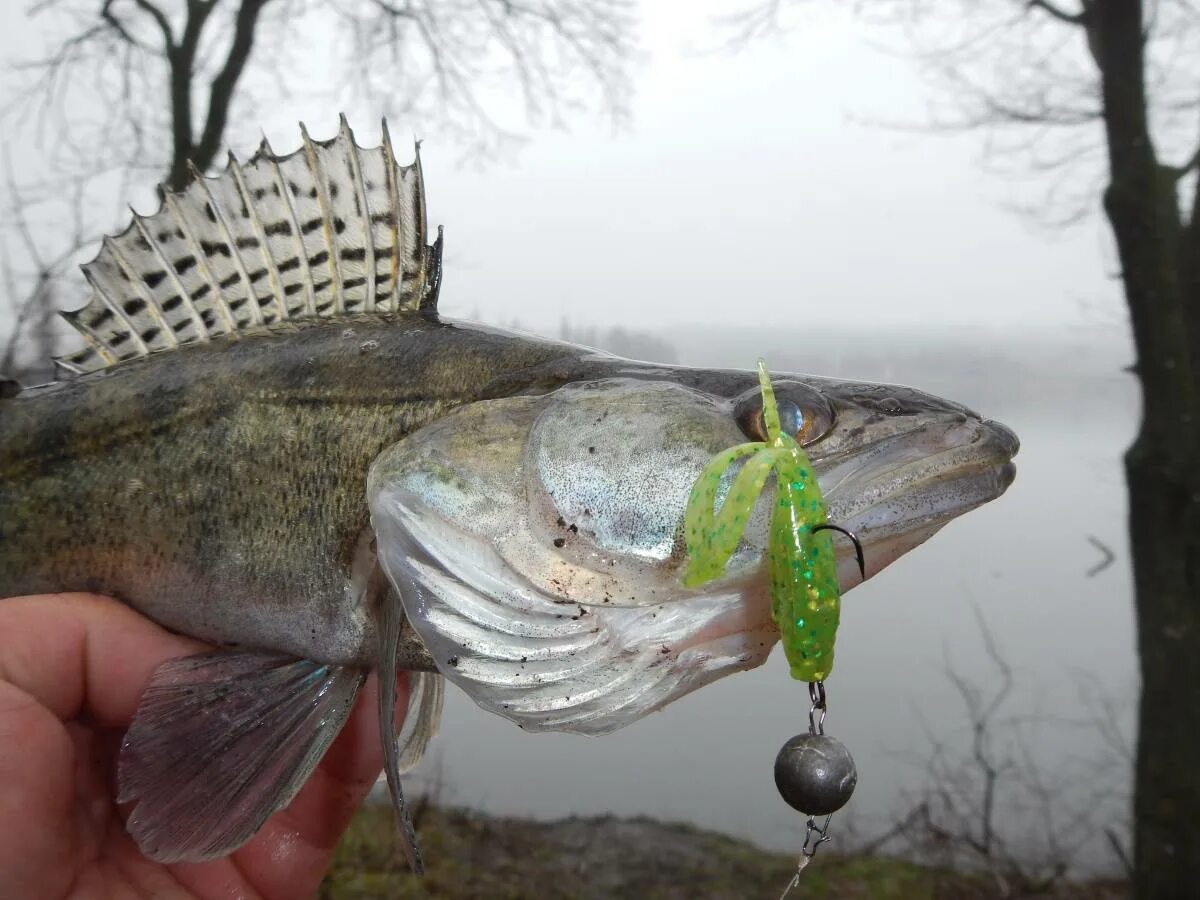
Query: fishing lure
{"points": [[805, 594], [814, 772]]}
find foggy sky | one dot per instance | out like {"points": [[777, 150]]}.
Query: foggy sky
{"points": [[746, 190]]}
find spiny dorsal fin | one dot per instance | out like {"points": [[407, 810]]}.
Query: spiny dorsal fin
{"points": [[329, 229]]}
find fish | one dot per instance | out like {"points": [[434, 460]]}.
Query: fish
{"points": [[272, 441]]}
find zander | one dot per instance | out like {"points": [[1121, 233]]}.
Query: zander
{"points": [[271, 441]]}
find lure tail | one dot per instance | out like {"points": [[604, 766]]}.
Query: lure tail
{"points": [[805, 594]]}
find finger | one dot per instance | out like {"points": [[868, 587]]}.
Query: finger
{"points": [[61, 657], [82, 654], [37, 797]]}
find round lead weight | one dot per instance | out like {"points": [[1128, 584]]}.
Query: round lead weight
{"points": [[815, 774]]}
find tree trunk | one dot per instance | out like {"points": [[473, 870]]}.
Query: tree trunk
{"points": [[1161, 466], [181, 61], [1163, 518]]}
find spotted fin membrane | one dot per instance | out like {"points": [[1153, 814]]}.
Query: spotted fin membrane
{"points": [[330, 229]]}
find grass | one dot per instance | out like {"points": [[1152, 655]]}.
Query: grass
{"points": [[472, 855]]}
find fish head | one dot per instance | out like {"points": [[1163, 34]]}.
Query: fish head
{"points": [[536, 539]]}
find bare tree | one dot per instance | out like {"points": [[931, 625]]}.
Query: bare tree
{"points": [[31, 279], [1105, 92], [445, 61], [149, 88], [989, 802]]}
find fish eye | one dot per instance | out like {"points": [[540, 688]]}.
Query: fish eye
{"points": [[791, 417], [803, 413]]}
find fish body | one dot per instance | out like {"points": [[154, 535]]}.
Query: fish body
{"points": [[272, 442], [220, 490]]}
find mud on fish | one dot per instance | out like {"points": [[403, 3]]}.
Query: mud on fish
{"points": [[272, 442]]}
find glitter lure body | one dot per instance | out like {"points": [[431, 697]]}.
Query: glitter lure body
{"points": [[805, 593]]}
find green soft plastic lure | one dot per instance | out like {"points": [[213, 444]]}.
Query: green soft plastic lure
{"points": [[805, 593]]}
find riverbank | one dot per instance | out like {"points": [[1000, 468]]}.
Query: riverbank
{"points": [[473, 855]]}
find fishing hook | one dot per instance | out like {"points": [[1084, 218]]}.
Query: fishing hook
{"points": [[858, 550]]}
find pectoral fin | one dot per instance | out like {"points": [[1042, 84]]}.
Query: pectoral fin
{"points": [[425, 699], [391, 618], [222, 740]]}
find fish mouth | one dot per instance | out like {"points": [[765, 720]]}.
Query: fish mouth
{"points": [[915, 487]]}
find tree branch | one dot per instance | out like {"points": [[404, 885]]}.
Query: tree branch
{"points": [[120, 90], [1057, 12], [1186, 167], [33, 305], [159, 17], [457, 46], [182, 59], [224, 85], [116, 24]]}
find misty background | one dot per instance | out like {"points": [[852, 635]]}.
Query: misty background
{"points": [[776, 202]]}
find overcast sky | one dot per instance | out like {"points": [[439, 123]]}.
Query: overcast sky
{"points": [[744, 191]]}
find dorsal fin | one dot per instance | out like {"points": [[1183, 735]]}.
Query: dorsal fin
{"points": [[330, 229]]}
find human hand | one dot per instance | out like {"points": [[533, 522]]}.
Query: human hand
{"points": [[72, 667]]}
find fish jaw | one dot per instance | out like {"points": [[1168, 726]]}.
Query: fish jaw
{"points": [[536, 540], [917, 472]]}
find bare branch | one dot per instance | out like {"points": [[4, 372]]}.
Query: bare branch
{"points": [[995, 801], [1105, 562], [460, 49], [31, 295], [750, 24], [114, 98], [1118, 846], [1057, 12], [224, 85], [116, 24], [182, 59], [160, 19]]}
